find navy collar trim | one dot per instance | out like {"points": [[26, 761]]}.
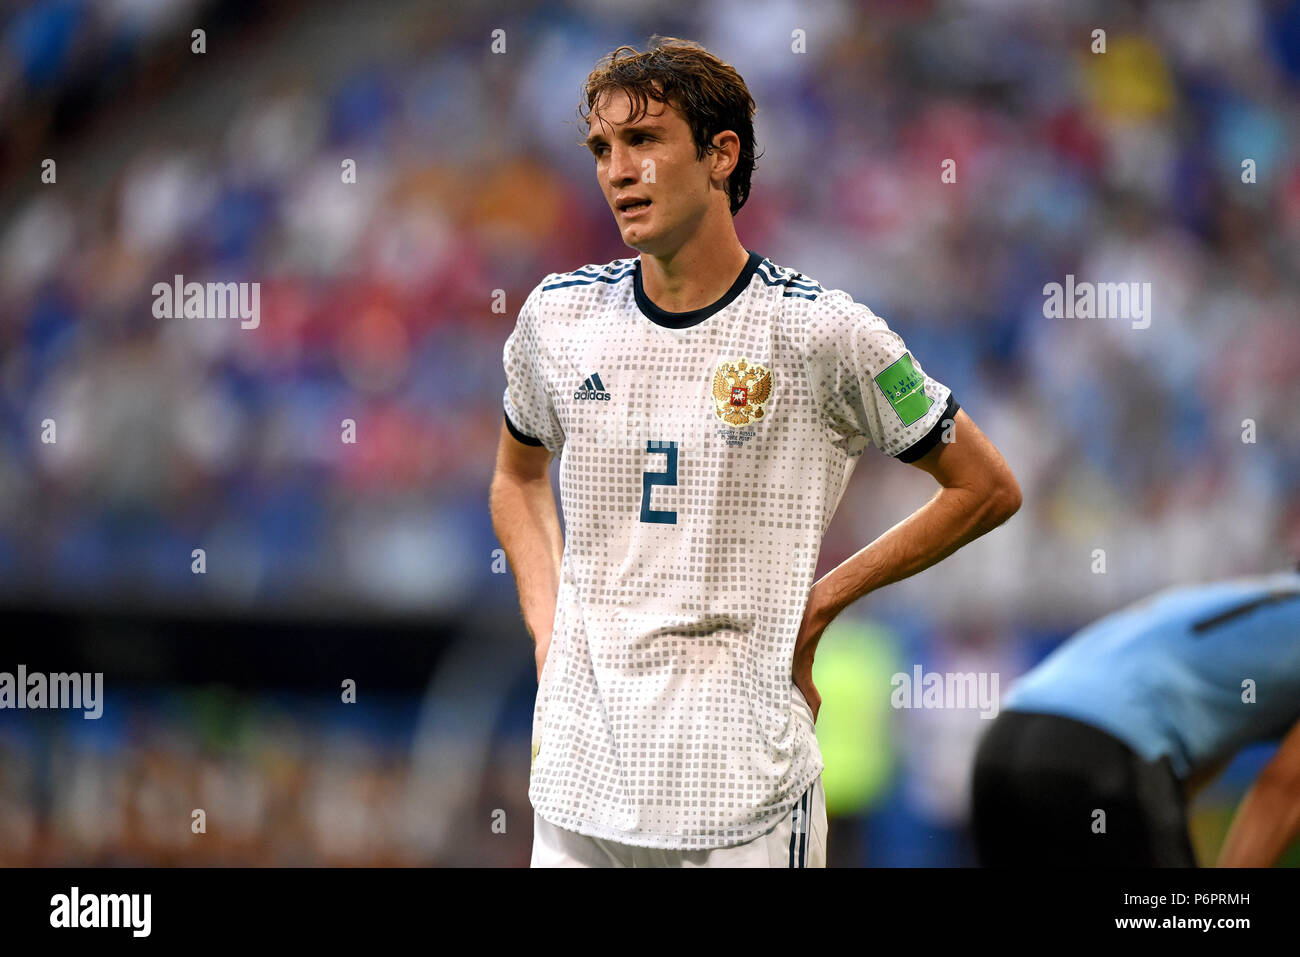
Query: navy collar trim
{"points": [[684, 320]]}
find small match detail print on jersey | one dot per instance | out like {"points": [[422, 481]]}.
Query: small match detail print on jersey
{"points": [[742, 392]]}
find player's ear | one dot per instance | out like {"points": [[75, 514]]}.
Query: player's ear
{"points": [[725, 153]]}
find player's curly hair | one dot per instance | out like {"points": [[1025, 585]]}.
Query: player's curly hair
{"points": [[707, 91]]}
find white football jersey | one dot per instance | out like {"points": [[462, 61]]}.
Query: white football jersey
{"points": [[702, 455]]}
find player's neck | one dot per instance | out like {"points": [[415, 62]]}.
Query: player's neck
{"points": [[694, 276]]}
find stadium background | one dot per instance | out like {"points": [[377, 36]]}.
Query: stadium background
{"points": [[375, 561]]}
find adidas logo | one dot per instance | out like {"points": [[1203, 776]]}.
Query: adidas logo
{"points": [[592, 389]]}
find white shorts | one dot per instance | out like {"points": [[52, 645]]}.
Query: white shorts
{"points": [[797, 840]]}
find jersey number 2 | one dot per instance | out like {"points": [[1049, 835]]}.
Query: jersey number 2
{"points": [[650, 479]]}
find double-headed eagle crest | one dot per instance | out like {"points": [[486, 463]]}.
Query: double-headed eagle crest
{"points": [[740, 388]]}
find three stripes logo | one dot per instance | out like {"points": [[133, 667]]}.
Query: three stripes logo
{"points": [[592, 389]]}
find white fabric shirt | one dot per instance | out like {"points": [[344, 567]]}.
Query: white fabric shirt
{"points": [[702, 456]]}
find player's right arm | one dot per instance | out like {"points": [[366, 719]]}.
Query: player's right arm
{"points": [[522, 505], [528, 528], [1269, 817]]}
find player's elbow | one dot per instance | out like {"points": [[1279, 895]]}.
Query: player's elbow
{"points": [[1010, 497], [1002, 499]]}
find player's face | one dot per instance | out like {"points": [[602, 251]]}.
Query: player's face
{"points": [[652, 159]]}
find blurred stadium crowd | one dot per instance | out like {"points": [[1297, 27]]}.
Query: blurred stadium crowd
{"points": [[376, 296]]}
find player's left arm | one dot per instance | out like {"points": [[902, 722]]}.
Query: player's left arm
{"points": [[1269, 817], [977, 493]]}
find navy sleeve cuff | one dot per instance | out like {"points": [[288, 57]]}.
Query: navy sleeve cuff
{"points": [[526, 439], [928, 441]]}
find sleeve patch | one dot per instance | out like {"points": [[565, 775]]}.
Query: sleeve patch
{"points": [[904, 387]]}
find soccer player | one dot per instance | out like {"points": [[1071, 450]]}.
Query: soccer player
{"points": [[1133, 715], [708, 407]]}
